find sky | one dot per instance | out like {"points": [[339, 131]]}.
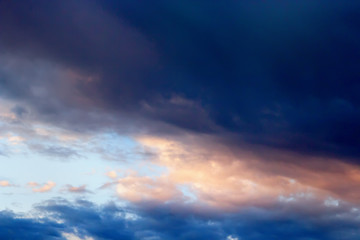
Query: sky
{"points": [[169, 119]]}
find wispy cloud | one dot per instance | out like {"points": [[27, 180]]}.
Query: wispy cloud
{"points": [[5, 183], [41, 188], [80, 189], [111, 174]]}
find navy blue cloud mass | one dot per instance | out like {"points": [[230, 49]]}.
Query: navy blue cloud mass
{"points": [[85, 219], [280, 74]]}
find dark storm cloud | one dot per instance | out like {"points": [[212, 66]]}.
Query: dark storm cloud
{"points": [[12, 227], [77, 33], [175, 222], [51, 50], [280, 74]]}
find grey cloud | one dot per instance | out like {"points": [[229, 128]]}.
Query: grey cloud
{"points": [[55, 151]]}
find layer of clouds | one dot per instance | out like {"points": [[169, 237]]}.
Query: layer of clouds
{"points": [[32, 134], [200, 170], [147, 221], [283, 76]]}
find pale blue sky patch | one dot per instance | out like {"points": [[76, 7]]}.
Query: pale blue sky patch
{"points": [[37, 153]]}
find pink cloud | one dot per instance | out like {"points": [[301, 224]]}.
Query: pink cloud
{"points": [[222, 177], [44, 188], [5, 183], [111, 174], [142, 188]]}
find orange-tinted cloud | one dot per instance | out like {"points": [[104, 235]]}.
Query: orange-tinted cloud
{"points": [[5, 183], [222, 177], [111, 174], [142, 188], [36, 187]]}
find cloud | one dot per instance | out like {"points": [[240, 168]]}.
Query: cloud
{"points": [[107, 47], [55, 151], [33, 184], [15, 227], [73, 189], [143, 188], [84, 219], [111, 174], [100, 35], [154, 68], [14, 140], [70, 236], [5, 183], [207, 172], [36, 187]]}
